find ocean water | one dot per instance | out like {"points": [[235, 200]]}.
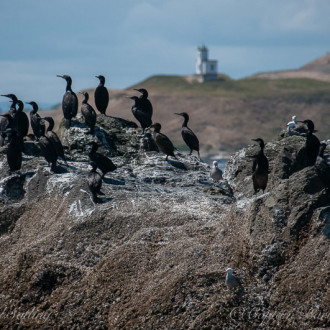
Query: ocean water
{"points": [[5, 106]]}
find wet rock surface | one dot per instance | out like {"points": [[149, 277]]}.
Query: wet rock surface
{"points": [[153, 252]]}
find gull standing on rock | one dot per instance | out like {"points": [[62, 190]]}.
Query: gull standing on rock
{"points": [[215, 173], [233, 282], [291, 124]]}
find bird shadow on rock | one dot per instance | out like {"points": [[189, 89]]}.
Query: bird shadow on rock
{"points": [[124, 122], [59, 169], [113, 181], [177, 164], [102, 200]]}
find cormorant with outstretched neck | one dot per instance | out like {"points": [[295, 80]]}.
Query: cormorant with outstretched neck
{"points": [[145, 103], [95, 182], [188, 135], [312, 145], [6, 121], [21, 120], [88, 112], [102, 162], [143, 117], [37, 125], [52, 136], [69, 102], [260, 168], [101, 96], [162, 141], [14, 151], [14, 99]]}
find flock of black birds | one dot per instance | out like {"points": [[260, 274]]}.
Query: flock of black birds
{"points": [[14, 124]]}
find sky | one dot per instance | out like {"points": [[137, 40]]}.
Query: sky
{"points": [[128, 41]]}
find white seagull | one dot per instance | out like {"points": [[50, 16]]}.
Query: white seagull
{"points": [[291, 124]]}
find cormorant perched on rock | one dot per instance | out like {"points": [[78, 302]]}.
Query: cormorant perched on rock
{"points": [[48, 150], [215, 173], [233, 282], [321, 166], [102, 162], [312, 145], [38, 127], [14, 151], [6, 121], [260, 168], [145, 103], [95, 182], [52, 136], [143, 117], [14, 99], [88, 112], [101, 96], [69, 102], [188, 135], [162, 141], [21, 120]]}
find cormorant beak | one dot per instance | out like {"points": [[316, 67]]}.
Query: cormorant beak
{"points": [[58, 75], [179, 114], [254, 140], [129, 97]]}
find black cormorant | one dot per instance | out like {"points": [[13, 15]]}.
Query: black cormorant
{"points": [[145, 103], [312, 145], [48, 150], [69, 102], [260, 168], [102, 162], [14, 99], [143, 118], [21, 120], [37, 125], [95, 182], [321, 166], [6, 121], [188, 135], [88, 112], [14, 151], [101, 96], [162, 141], [52, 136]]}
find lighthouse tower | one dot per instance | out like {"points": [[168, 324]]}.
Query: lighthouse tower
{"points": [[206, 69]]}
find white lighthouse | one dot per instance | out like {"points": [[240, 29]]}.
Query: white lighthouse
{"points": [[206, 69]]}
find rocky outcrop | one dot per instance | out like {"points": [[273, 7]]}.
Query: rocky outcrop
{"points": [[153, 252]]}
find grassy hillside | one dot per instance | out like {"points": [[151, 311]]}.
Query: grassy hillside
{"points": [[226, 114], [226, 87]]}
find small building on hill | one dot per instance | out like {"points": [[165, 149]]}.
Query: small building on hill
{"points": [[206, 69]]}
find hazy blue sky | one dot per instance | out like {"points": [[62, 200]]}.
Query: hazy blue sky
{"points": [[129, 40]]}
